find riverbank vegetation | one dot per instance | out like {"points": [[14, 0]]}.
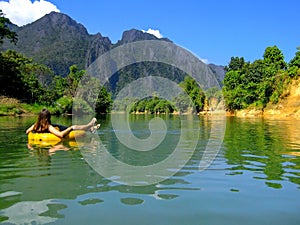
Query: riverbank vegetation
{"points": [[27, 86], [193, 101], [254, 85]]}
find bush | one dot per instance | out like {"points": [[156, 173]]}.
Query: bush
{"points": [[64, 104]]}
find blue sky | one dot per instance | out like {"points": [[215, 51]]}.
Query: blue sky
{"points": [[214, 30]]}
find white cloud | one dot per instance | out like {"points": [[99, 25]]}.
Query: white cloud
{"points": [[21, 12], [156, 33], [204, 60]]}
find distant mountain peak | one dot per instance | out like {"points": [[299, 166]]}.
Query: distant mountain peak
{"points": [[136, 35], [58, 41], [133, 35], [61, 21]]}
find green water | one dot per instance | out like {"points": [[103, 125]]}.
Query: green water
{"points": [[255, 178]]}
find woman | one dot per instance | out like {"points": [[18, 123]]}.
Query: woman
{"points": [[43, 125]]}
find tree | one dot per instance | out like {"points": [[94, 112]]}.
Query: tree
{"points": [[37, 80], [104, 101], [25, 80], [5, 32], [196, 94], [232, 90], [73, 80], [294, 65], [11, 80], [236, 63], [163, 106], [274, 59], [59, 85], [296, 60], [254, 72], [256, 84]]}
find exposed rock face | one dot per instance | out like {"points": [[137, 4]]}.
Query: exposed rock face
{"points": [[98, 46], [58, 41], [136, 35], [219, 71]]}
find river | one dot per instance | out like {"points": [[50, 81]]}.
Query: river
{"points": [[253, 179]]}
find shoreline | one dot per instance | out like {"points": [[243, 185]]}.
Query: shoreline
{"points": [[245, 113], [268, 114]]}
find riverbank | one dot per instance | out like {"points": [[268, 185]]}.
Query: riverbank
{"points": [[14, 107], [288, 106]]}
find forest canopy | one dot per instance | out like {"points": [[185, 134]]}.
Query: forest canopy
{"points": [[260, 82]]}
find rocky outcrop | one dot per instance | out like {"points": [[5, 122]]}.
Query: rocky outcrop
{"points": [[59, 42]]}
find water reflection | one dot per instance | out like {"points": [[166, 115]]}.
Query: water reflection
{"points": [[53, 184], [117, 161], [43, 176], [267, 148], [47, 150], [132, 201]]}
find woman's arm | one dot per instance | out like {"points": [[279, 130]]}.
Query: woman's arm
{"points": [[58, 133], [29, 129]]}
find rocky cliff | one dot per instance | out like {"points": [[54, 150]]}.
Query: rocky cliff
{"points": [[58, 41]]}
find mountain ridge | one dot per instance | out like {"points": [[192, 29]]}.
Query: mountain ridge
{"points": [[58, 41]]}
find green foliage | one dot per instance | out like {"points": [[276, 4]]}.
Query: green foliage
{"points": [[258, 83], [5, 32], [104, 101], [93, 93], [16, 78], [197, 96], [59, 84], [281, 83], [274, 58], [73, 79], [235, 64], [294, 71], [194, 98], [294, 65], [296, 60], [34, 83], [9, 106], [34, 108], [153, 105], [164, 106], [56, 41], [64, 105]]}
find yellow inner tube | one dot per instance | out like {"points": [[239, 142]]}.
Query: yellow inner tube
{"points": [[49, 137]]}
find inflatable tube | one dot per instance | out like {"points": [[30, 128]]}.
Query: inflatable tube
{"points": [[49, 137], [49, 144]]}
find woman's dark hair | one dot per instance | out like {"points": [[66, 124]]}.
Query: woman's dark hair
{"points": [[43, 122]]}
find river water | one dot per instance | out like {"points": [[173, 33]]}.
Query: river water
{"points": [[254, 178]]}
